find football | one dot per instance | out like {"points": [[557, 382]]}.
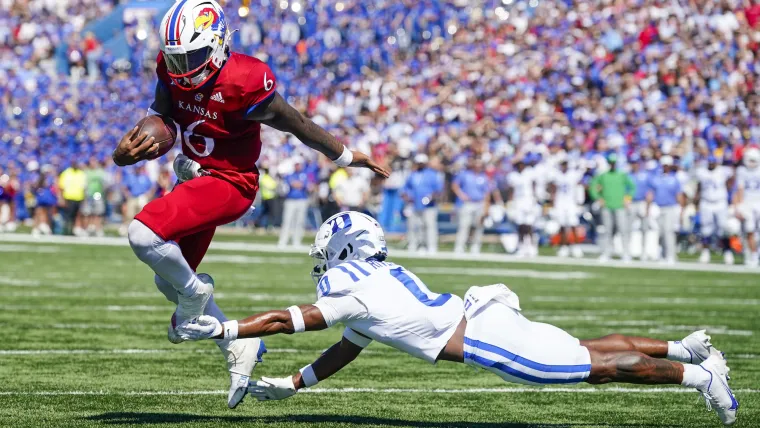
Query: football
{"points": [[162, 128]]}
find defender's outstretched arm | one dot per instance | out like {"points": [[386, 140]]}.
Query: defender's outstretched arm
{"points": [[293, 320]]}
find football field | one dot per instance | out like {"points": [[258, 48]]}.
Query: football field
{"points": [[83, 344]]}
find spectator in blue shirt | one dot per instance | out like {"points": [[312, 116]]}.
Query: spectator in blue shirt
{"points": [[421, 191], [644, 221], [139, 190], [473, 191], [296, 205], [665, 193]]}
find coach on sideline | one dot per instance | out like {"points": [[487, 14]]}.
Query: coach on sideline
{"points": [[613, 190], [421, 191]]}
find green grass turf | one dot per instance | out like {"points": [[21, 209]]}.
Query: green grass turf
{"points": [[100, 299]]}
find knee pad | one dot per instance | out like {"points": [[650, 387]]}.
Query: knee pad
{"points": [[166, 289], [144, 242]]}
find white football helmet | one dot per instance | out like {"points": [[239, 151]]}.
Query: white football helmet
{"points": [[348, 235], [752, 158], [195, 41]]}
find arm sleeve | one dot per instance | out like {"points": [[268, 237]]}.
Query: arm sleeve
{"points": [[259, 87], [357, 339], [339, 309]]}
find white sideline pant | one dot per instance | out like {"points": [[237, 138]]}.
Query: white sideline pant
{"points": [[468, 217], [611, 220], [669, 223], [293, 221], [712, 218], [423, 225]]}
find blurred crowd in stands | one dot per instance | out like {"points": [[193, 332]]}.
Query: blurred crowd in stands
{"points": [[448, 92]]}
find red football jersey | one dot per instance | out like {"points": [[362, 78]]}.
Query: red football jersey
{"points": [[213, 129]]}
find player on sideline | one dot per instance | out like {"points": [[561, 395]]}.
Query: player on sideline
{"points": [[564, 184], [712, 197], [747, 199], [378, 300], [218, 101]]}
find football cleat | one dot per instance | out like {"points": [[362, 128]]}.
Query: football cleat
{"points": [[704, 257], [577, 252], [172, 333], [718, 396], [193, 306], [699, 347], [242, 356], [203, 296]]}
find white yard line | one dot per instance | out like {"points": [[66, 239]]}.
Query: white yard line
{"points": [[648, 300], [515, 390], [211, 350], [134, 351], [10, 248], [509, 273], [483, 257], [221, 258]]}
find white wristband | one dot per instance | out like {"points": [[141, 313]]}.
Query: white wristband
{"points": [[308, 376], [230, 330], [297, 317], [345, 158]]}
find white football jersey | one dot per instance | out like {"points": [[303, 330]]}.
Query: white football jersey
{"points": [[749, 180], [387, 303], [567, 184], [522, 184], [713, 184]]}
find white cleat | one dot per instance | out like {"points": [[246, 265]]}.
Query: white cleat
{"points": [[728, 257], [704, 257], [242, 356], [576, 252], [191, 305], [752, 260], [563, 251], [699, 347], [717, 394]]}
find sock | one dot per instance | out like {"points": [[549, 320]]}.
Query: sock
{"points": [[695, 376], [166, 289], [678, 352], [165, 258], [213, 309]]}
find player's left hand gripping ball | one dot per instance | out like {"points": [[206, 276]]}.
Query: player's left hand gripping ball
{"points": [[203, 327], [269, 388], [364, 161]]}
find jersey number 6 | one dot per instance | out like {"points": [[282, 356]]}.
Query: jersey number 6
{"points": [[188, 134]]}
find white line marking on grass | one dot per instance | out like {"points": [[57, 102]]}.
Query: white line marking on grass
{"points": [[140, 351], [511, 273], [515, 390], [650, 300], [8, 248], [483, 257], [85, 326], [218, 258], [15, 282]]}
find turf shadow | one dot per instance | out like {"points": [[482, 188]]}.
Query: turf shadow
{"points": [[136, 418]]}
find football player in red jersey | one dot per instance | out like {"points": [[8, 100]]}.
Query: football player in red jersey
{"points": [[218, 100]]}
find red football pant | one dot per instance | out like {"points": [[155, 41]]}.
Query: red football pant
{"points": [[190, 214]]}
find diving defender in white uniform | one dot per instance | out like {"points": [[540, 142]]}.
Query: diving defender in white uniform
{"points": [[379, 300]]}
